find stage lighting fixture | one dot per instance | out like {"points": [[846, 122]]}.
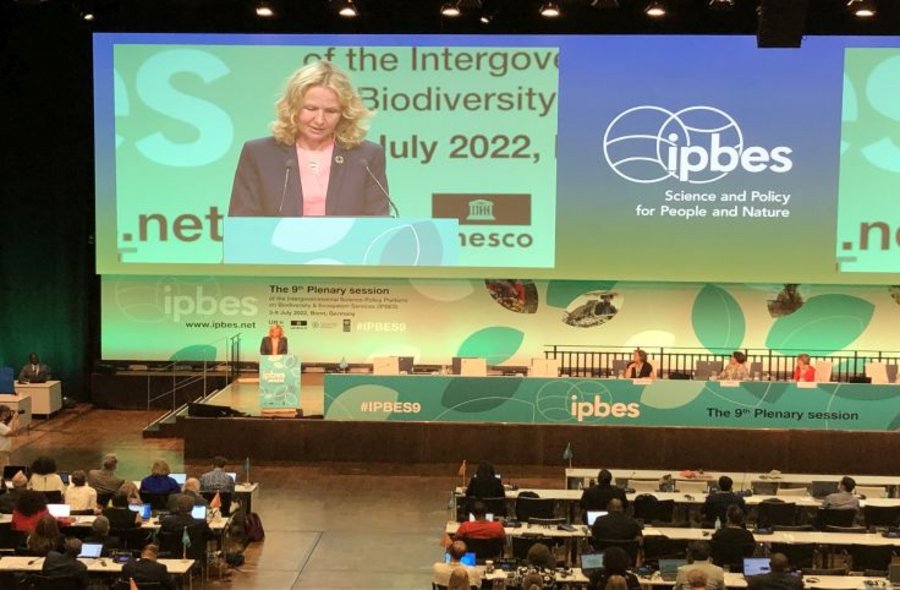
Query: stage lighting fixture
{"points": [[604, 4], [87, 15], [862, 8], [346, 8], [655, 9], [450, 9], [720, 4], [485, 18], [264, 9], [550, 10]]}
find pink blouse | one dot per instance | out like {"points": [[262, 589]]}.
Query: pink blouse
{"points": [[315, 171]]}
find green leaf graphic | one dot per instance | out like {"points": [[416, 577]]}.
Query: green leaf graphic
{"points": [[496, 344], [562, 293], [717, 319], [660, 396], [458, 395], [195, 352], [825, 324]]}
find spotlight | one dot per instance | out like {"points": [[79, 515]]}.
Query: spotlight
{"points": [[721, 4], [862, 8], [264, 9], [486, 18], [87, 15], [550, 10], [655, 9], [347, 8], [450, 9]]}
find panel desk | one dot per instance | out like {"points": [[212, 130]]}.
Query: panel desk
{"points": [[46, 398]]}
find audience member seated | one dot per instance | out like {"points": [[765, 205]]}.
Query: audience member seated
{"points": [[779, 578], [843, 499], [717, 503], [615, 563], [217, 480], [698, 555], [441, 570], [148, 569], [616, 525], [540, 567], [485, 483], [79, 496], [192, 491], [105, 480], [480, 528], [616, 583], [29, 508], [44, 538], [597, 496], [736, 369], [697, 580], [118, 514], [459, 580], [9, 500], [733, 542], [100, 536], [182, 517], [44, 477], [804, 371], [159, 482], [131, 492], [65, 564]]}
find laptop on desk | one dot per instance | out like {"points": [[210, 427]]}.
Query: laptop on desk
{"points": [[820, 489], [668, 568], [754, 566], [91, 550], [593, 515], [59, 510], [591, 562], [179, 478]]}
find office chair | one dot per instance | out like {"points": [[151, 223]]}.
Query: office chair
{"points": [[528, 508], [871, 557], [800, 555], [485, 548], [881, 516], [771, 513], [833, 517]]}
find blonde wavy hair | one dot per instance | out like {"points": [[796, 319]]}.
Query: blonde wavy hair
{"points": [[350, 130]]}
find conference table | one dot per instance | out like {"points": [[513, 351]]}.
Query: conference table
{"points": [[107, 566], [216, 524], [46, 398]]}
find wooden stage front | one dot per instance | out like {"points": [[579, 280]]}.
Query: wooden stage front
{"points": [[305, 440]]}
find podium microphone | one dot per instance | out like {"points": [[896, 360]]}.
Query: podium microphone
{"points": [[383, 190], [288, 166]]}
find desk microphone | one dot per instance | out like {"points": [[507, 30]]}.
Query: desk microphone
{"points": [[390, 201], [288, 166]]}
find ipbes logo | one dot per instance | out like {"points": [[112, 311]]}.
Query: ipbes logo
{"points": [[697, 145], [200, 304], [600, 409]]}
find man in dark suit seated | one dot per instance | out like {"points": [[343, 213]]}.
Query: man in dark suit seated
{"points": [[148, 569], [717, 502], [597, 497], [181, 518], [616, 525], [35, 371], [66, 564], [779, 578]]}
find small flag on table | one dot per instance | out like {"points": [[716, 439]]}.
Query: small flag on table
{"points": [[216, 502], [568, 454], [462, 472], [185, 543]]}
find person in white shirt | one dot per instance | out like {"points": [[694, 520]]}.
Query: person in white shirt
{"points": [[442, 570], [80, 496], [44, 477], [9, 424], [699, 561]]}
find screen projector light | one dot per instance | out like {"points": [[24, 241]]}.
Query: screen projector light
{"points": [[655, 9], [862, 8], [550, 10]]}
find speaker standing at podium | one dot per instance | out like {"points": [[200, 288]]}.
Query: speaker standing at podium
{"points": [[275, 342]]}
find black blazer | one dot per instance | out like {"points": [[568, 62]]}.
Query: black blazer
{"points": [[143, 570], [265, 347], [259, 181]]}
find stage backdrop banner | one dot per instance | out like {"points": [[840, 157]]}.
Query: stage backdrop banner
{"points": [[750, 404], [506, 321], [279, 381]]}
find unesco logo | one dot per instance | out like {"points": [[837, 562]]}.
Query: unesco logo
{"points": [[697, 145]]}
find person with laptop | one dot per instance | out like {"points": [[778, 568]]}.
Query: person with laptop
{"points": [[778, 578], [80, 496], [616, 525], [148, 569], [190, 489], [65, 564], [736, 369], [11, 497], [441, 570], [119, 515], [100, 536], [479, 527], [717, 503], [843, 499], [597, 497], [616, 562], [733, 542], [44, 477], [43, 538], [105, 480], [182, 517], [160, 481], [217, 480], [540, 565], [698, 554], [9, 425], [34, 371]]}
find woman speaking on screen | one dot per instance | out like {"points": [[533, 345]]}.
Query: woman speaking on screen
{"points": [[317, 161]]}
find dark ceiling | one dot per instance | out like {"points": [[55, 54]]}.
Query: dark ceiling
{"points": [[423, 16]]}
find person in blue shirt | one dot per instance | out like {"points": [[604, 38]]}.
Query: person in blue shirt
{"points": [[159, 482]]}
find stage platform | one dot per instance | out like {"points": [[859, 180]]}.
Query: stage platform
{"points": [[314, 440]]}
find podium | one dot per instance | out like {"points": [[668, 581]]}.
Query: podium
{"points": [[341, 240], [279, 381]]}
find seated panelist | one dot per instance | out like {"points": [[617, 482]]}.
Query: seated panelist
{"points": [[275, 342], [639, 368], [736, 369], [804, 371], [34, 371]]}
